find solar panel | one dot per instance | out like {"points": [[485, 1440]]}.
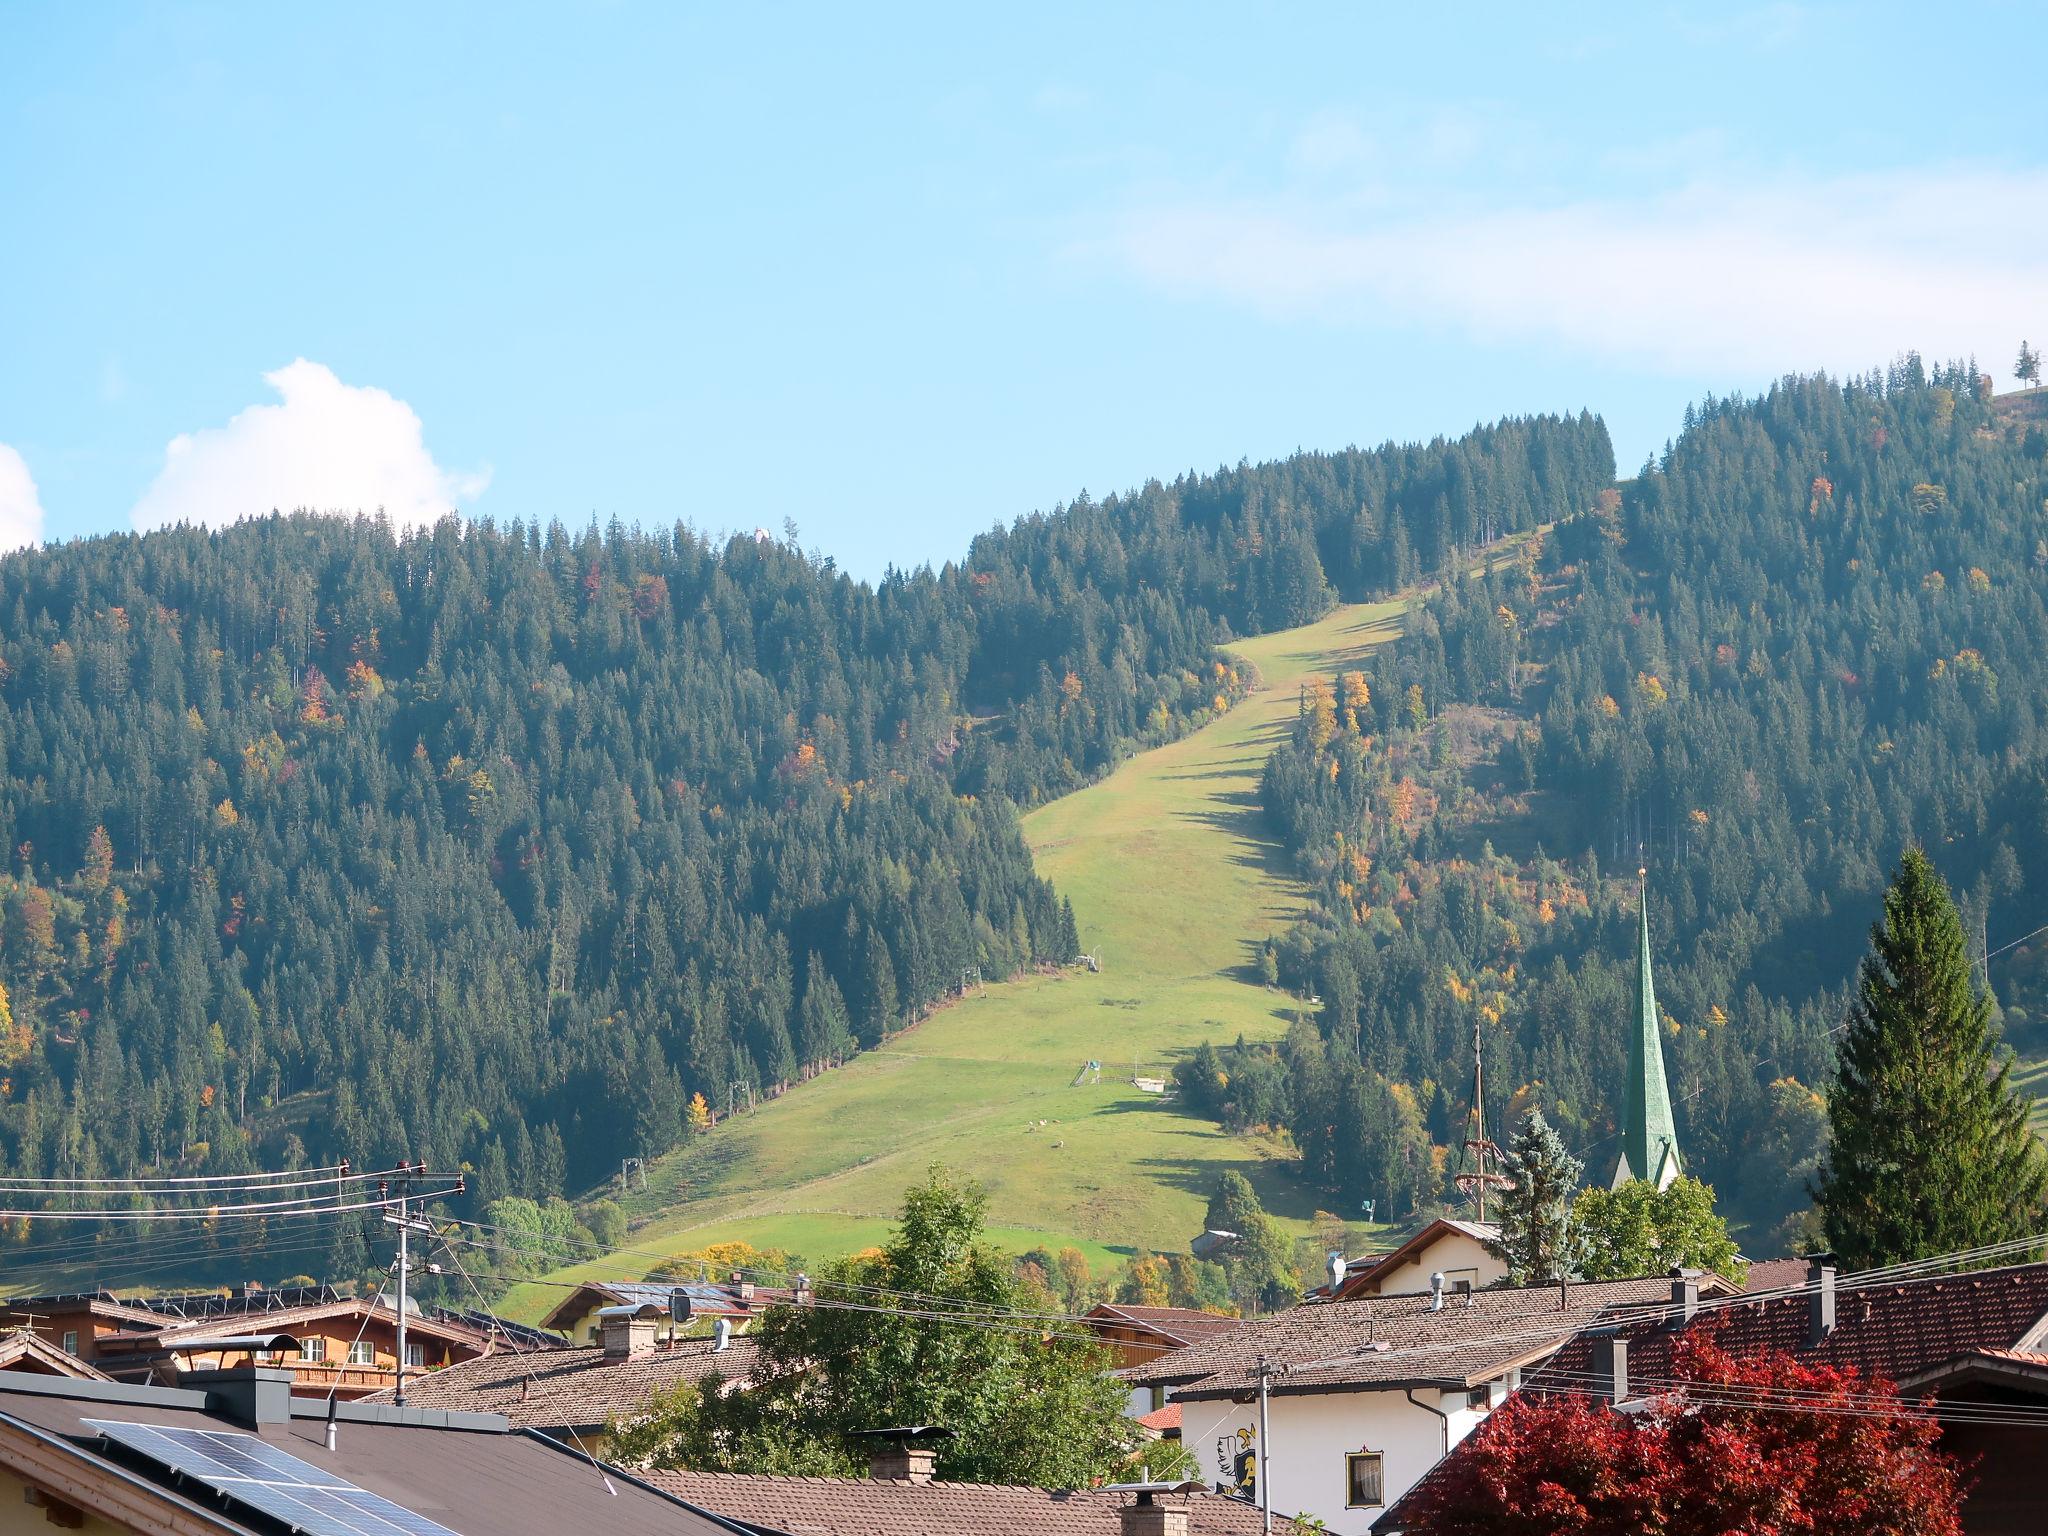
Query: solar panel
{"points": [[257, 1474]]}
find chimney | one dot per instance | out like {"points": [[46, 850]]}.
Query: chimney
{"points": [[1436, 1291], [1685, 1294], [251, 1394], [628, 1332], [1610, 1366], [1148, 1517], [1820, 1280], [898, 1461], [744, 1289]]}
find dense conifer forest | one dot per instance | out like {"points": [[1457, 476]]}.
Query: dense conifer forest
{"points": [[503, 845], [1810, 634]]}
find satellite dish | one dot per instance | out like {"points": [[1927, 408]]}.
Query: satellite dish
{"points": [[679, 1305]]}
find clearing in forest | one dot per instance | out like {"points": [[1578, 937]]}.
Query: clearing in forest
{"points": [[1175, 883]]}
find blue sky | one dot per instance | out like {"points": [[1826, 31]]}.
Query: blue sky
{"points": [[900, 274]]}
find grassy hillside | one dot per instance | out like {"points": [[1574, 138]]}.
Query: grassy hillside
{"points": [[1174, 882]]}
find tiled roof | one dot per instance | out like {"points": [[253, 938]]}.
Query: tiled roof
{"points": [[837, 1506], [1162, 1420], [553, 1388], [1916, 1333], [1888, 1330], [1181, 1325], [1387, 1340], [1775, 1275]]}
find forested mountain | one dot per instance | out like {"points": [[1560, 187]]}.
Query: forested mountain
{"points": [[497, 844], [1812, 633]]}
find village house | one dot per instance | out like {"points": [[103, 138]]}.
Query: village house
{"points": [[23, 1350], [346, 1345], [1137, 1334], [572, 1393], [1461, 1251], [690, 1307], [1977, 1338], [1363, 1397], [233, 1453]]}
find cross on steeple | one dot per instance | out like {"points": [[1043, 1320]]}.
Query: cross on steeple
{"points": [[1649, 1133]]}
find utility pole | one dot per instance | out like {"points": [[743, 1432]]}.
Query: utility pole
{"points": [[1265, 1453], [407, 1224]]}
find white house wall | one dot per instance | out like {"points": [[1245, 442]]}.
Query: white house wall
{"points": [[1311, 1437], [1458, 1256]]}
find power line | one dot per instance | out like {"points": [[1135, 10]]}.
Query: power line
{"points": [[69, 1180], [310, 1205]]}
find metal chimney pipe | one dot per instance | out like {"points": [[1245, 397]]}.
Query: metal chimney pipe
{"points": [[1610, 1366], [1820, 1281], [1685, 1293]]}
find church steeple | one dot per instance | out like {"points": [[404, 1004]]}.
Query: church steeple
{"points": [[1649, 1134]]}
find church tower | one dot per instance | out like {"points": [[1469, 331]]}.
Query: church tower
{"points": [[1649, 1134]]}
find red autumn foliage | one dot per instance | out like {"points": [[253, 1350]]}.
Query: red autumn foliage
{"points": [[1761, 1445]]}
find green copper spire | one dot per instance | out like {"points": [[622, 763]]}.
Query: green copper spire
{"points": [[1649, 1134]]}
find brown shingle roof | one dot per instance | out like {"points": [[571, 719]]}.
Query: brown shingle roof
{"points": [[1888, 1330], [1917, 1333], [1329, 1346], [1775, 1274], [580, 1388], [837, 1506]]}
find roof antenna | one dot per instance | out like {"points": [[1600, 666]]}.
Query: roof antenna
{"points": [[1481, 1151]]}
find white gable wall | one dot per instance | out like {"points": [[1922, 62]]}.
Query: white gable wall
{"points": [[1459, 1257], [1311, 1434]]}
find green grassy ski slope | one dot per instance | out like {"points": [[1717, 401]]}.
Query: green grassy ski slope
{"points": [[1174, 882]]}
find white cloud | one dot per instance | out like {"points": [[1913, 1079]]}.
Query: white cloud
{"points": [[1792, 274], [328, 447], [21, 510]]}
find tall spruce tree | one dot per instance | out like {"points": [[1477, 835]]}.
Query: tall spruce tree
{"points": [[1538, 1236], [1929, 1147]]}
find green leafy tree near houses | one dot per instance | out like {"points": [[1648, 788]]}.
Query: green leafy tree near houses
{"points": [[1929, 1147], [1638, 1229], [1024, 1406]]}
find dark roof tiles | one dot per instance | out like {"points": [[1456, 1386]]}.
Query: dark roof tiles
{"points": [[554, 1388], [836, 1506], [1890, 1330], [1387, 1340]]}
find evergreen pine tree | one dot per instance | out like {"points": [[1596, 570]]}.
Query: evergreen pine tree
{"points": [[1538, 1237], [1929, 1147]]}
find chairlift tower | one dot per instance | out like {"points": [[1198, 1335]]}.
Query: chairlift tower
{"points": [[1479, 1166]]}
